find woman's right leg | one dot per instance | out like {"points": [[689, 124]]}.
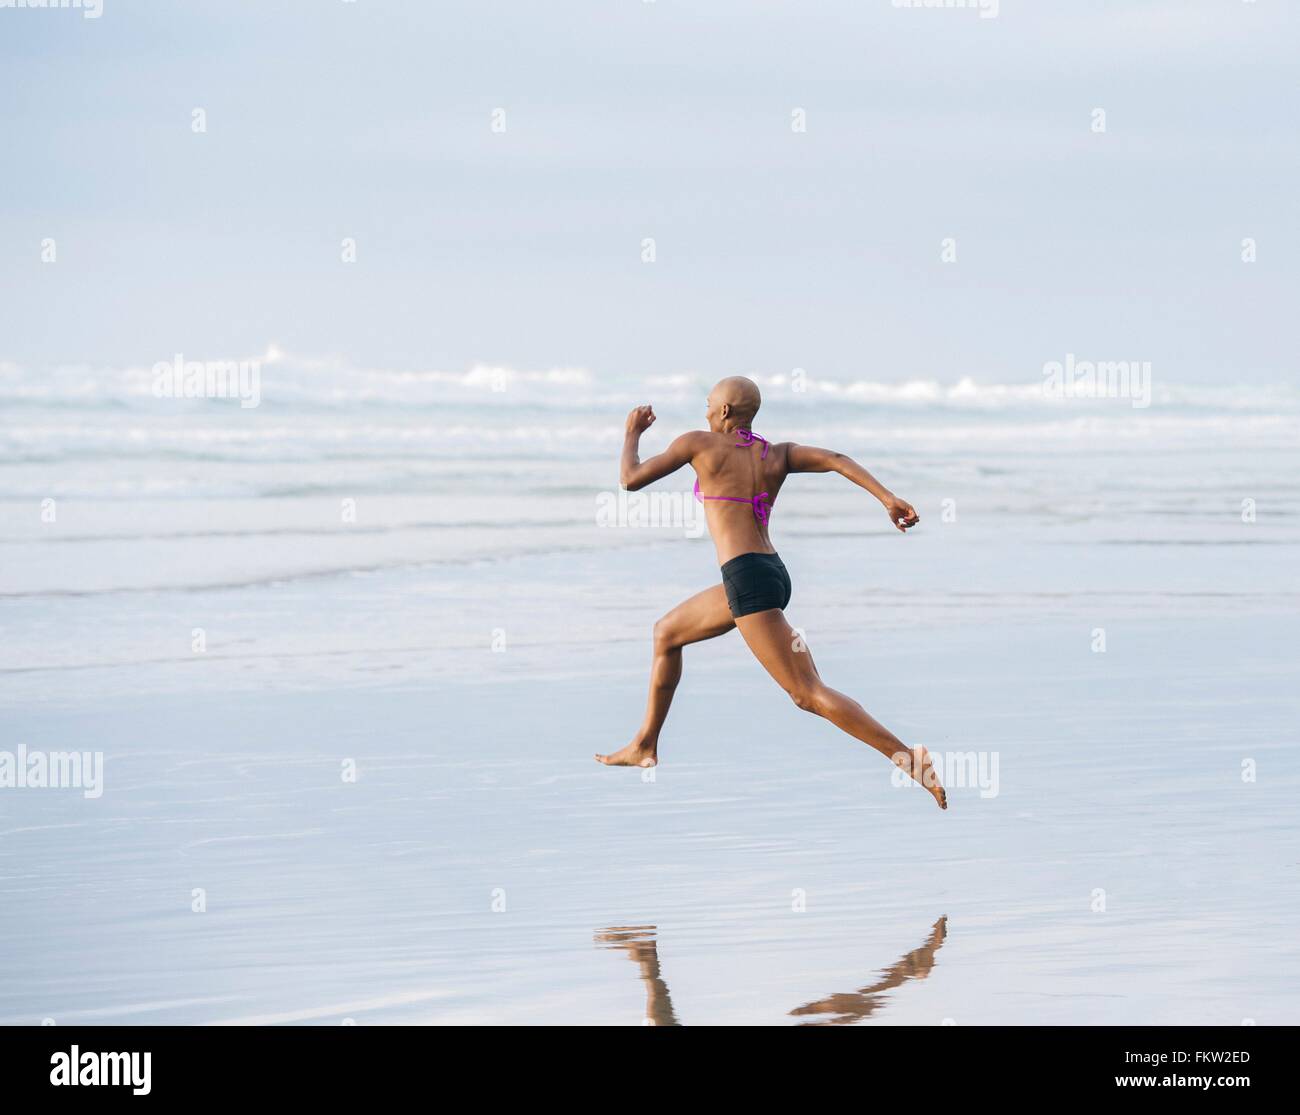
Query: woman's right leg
{"points": [[783, 654], [705, 615]]}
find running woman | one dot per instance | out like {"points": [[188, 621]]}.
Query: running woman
{"points": [[739, 476]]}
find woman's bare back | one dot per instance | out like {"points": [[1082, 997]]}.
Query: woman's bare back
{"points": [[732, 474]]}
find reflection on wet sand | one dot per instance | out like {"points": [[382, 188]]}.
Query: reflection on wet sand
{"points": [[638, 941], [852, 1006]]}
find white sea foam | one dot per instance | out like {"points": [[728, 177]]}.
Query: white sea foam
{"points": [[313, 381]]}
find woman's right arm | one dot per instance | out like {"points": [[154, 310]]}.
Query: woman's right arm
{"points": [[808, 458]]}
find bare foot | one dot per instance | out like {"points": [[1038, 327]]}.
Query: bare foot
{"points": [[926, 775], [633, 755]]}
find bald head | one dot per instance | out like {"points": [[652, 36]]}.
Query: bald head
{"points": [[740, 396]]}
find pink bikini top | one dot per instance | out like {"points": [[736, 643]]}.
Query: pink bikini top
{"points": [[760, 503]]}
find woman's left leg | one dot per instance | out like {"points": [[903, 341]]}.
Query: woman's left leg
{"points": [[704, 616]]}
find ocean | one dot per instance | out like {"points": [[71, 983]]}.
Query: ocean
{"points": [[429, 579]]}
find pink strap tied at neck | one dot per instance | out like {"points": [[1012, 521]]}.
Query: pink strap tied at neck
{"points": [[748, 437]]}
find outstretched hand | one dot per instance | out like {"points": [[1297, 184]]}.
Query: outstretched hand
{"points": [[640, 419], [901, 513]]}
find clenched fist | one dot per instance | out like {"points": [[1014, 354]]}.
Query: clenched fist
{"points": [[640, 419], [901, 513]]}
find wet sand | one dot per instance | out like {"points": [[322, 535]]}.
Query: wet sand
{"points": [[1122, 872]]}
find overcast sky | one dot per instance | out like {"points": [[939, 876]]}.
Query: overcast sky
{"points": [[670, 120]]}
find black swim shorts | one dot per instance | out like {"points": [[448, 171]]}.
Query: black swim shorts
{"points": [[755, 583]]}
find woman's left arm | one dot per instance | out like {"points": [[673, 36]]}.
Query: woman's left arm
{"points": [[635, 473]]}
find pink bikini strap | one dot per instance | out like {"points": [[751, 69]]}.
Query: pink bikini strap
{"points": [[748, 437]]}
